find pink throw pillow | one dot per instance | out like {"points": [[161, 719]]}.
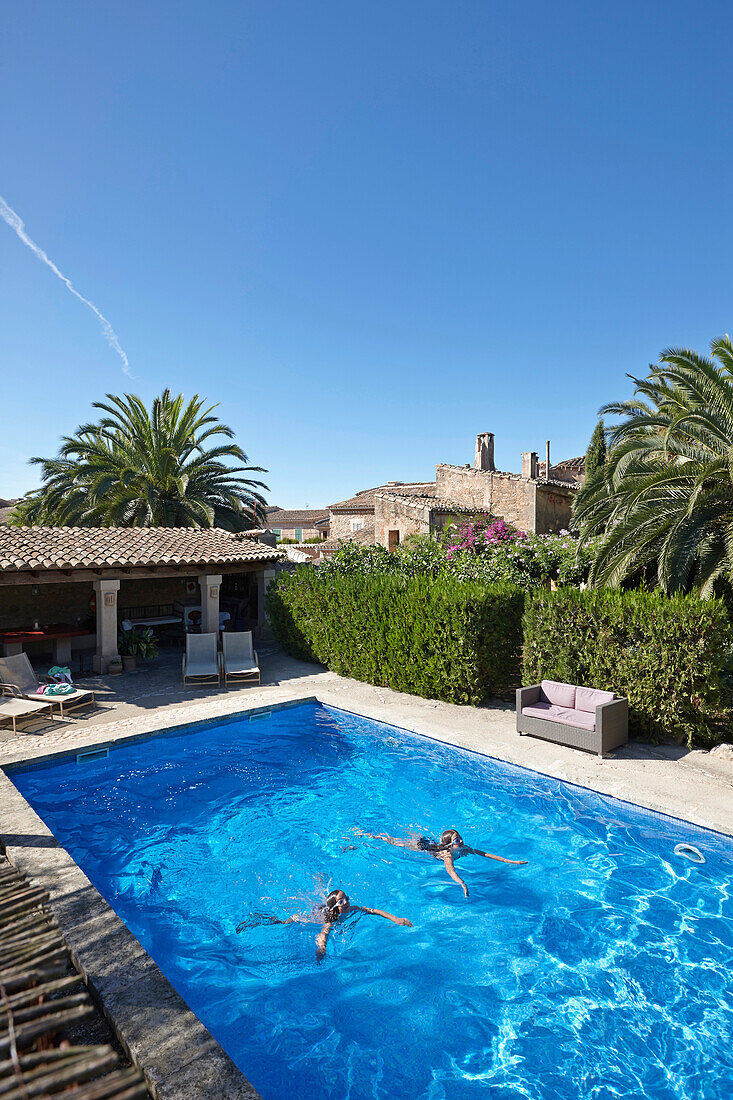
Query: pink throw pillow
{"points": [[562, 695], [588, 699]]}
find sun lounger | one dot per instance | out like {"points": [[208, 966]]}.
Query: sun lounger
{"points": [[18, 671], [201, 659], [14, 708], [239, 659]]}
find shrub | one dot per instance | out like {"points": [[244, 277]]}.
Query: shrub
{"points": [[665, 654], [442, 639], [529, 562]]}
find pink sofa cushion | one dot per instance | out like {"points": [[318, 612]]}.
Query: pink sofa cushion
{"points": [[572, 717], [579, 718], [588, 699], [560, 695]]}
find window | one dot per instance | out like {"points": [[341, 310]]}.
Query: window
{"points": [[299, 534], [356, 525], [276, 531], [393, 539]]}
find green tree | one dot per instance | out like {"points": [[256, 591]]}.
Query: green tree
{"points": [[595, 461], [172, 466], [595, 457], [663, 502]]}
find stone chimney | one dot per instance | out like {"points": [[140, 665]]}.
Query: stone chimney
{"points": [[530, 464], [484, 459]]}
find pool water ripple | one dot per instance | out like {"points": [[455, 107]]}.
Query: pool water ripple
{"points": [[600, 970]]}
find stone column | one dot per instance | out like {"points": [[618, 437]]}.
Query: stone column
{"points": [[210, 585], [264, 576], [106, 597]]}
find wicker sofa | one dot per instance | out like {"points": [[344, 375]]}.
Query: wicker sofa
{"points": [[583, 718]]}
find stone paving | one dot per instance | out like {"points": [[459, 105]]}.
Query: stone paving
{"points": [[697, 785]]}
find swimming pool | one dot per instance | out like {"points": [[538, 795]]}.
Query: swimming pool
{"points": [[601, 969]]}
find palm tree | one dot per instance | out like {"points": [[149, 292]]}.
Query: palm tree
{"points": [[147, 469], [663, 501]]}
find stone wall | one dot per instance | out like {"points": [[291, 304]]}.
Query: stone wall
{"points": [[152, 591], [307, 532], [463, 484], [506, 495], [553, 508], [393, 514], [341, 522], [23, 604]]}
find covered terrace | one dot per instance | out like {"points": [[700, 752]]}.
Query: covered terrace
{"points": [[66, 589]]}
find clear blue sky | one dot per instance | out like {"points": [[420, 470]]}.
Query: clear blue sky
{"points": [[368, 230]]}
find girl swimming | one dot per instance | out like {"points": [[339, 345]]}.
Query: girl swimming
{"points": [[449, 848], [336, 907]]}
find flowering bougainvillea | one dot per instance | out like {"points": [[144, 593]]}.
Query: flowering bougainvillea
{"points": [[486, 549], [475, 535]]}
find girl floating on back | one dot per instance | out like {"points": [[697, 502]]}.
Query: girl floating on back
{"points": [[448, 848]]}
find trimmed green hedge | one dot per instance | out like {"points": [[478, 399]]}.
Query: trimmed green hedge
{"points": [[665, 654], [440, 638]]}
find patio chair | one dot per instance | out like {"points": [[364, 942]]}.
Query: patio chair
{"points": [[18, 671], [14, 708], [201, 659], [239, 659]]}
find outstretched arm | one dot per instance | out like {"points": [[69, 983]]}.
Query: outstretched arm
{"points": [[390, 839], [265, 918], [488, 855], [387, 916], [450, 868], [321, 940]]}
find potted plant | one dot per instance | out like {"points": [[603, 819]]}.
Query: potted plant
{"points": [[136, 642], [114, 668]]}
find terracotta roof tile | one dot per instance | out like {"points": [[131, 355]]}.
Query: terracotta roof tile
{"points": [[364, 537], [26, 549], [364, 501], [288, 517]]}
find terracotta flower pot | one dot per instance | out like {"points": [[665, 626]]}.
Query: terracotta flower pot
{"points": [[114, 668], [129, 663]]}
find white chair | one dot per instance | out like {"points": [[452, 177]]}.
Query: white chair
{"points": [[239, 658], [201, 659], [15, 708], [18, 671]]}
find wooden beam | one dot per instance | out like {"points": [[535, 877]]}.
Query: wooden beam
{"points": [[79, 576]]}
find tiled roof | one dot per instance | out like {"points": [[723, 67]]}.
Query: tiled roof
{"points": [[576, 464], [285, 517], [364, 537], [28, 549], [364, 501], [426, 498]]}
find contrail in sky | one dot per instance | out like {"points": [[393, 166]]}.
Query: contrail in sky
{"points": [[16, 223]]}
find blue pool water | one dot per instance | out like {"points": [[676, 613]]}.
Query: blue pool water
{"points": [[601, 970]]}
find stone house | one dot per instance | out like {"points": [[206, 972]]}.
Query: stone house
{"points": [[302, 524], [529, 500], [357, 513]]}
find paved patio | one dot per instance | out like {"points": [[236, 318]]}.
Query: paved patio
{"points": [[697, 785]]}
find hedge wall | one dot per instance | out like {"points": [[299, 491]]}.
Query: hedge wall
{"points": [[442, 639], [665, 654]]}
